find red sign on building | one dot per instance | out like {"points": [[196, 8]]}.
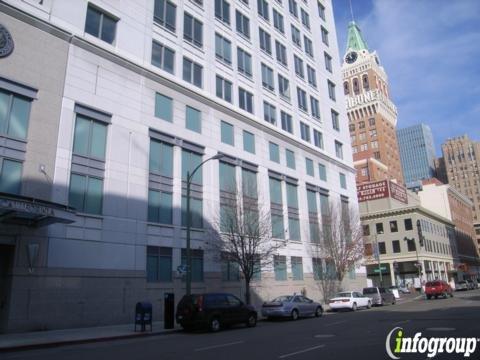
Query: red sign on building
{"points": [[380, 190], [372, 191]]}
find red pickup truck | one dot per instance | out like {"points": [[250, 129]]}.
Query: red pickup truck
{"points": [[438, 288]]}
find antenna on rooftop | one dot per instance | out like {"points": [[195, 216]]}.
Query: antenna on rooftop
{"points": [[351, 9]]}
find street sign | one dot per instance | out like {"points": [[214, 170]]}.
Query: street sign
{"points": [[377, 270]]}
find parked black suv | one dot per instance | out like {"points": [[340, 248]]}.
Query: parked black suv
{"points": [[214, 310]]}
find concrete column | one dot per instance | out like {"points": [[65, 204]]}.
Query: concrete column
{"points": [[392, 274]]}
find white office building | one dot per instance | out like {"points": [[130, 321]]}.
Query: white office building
{"points": [[104, 107]]}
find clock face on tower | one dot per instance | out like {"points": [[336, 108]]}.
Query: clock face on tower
{"points": [[351, 57]]}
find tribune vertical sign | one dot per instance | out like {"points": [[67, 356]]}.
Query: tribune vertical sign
{"points": [[380, 190]]}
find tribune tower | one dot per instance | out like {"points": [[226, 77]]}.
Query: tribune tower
{"points": [[372, 115]]}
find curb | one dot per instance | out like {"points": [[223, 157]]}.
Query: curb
{"points": [[84, 341]]}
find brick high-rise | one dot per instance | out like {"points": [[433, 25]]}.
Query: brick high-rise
{"points": [[461, 167], [372, 115]]}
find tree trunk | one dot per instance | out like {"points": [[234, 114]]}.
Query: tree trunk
{"points": [[247, 292]]}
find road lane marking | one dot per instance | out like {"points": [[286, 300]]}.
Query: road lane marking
{"points": [[401, 322], [324, 335], [440, 329], [219, 346], [301, 351], [336, 323]]}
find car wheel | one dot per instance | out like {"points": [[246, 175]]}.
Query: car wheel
{"points": [[354, 307], [451, 294], [394, 301], [294, 314], [445, 295], [214, 324], [369, 304], [252, 320], [318, 312], [428, 297]]}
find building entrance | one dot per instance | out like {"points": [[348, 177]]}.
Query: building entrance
{"points": [[6, 265]]}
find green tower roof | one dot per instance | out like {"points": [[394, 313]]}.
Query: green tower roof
{"points": [[355, 38]]}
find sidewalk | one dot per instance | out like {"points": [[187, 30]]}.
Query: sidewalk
{"points": [[52, 338]]}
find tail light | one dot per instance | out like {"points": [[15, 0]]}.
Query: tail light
{"points": [[345, 300], [200, 303]]}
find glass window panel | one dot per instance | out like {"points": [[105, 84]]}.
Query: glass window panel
{"points": [[165, 211], [249, 183], [4, 105], [274, 152], [314, 232], [290, 155], [227, 177], [93, 202], [76, 197], [92, 24], [11, 177], [275, 191], [248, 142], [292, 196], [190, 161], [153, 205], [80, 139], [99, 137], [19, 118], [322, 171], [168, 60], [280, 268], [297, 268], [309, 166], [152, 268], [165, 268], [108, 29], [170, 18], [193, 119], [227, 133], [312, 201], [277, 227], [163, 107], [294, 228]]}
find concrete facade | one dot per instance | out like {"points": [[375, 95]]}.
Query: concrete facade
{"points": [[392, 240], [448, 202], [94, 270], [460, 163]]}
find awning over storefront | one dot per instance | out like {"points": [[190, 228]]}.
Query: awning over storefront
{"points": [[21, 210]]}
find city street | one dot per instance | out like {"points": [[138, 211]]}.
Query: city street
{"points": [[344, 335]]}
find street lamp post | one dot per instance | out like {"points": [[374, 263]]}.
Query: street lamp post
{"points": [[188, 220]]}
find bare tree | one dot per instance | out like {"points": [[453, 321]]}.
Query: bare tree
{"points": [[243, 233], [341, 247]]}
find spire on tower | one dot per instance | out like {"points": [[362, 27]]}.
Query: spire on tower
{"points": [[355, 39]]}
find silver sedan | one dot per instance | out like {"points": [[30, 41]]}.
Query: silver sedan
{"points": [[292, 306]]}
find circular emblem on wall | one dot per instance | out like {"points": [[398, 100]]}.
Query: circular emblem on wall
{"points": [[6, 42]]}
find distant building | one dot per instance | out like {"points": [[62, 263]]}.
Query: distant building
{"points": [[417, 153], [461, 161], [371, 113], [448, 202], [405, 242]]}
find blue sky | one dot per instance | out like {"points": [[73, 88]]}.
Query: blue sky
{"points": [[430, 50]]}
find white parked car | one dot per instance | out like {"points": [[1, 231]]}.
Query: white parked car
{"points": [[349, 300]]}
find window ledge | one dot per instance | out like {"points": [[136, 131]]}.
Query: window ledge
{"points": [[155, 224], [92, 216], [157, 26]]}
